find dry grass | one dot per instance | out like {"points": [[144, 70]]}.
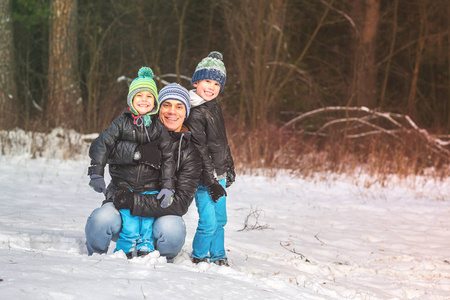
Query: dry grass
{"points": [[268, 150]]}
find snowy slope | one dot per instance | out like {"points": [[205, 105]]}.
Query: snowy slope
{"points": [[304, 239]]}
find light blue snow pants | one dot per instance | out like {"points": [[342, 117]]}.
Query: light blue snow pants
{"points": [[136, 233], [104, 224], [209, 238]]}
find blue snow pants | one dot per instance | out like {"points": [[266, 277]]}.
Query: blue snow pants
{"points": [[137, 232], [209, 238], [105, 223]]}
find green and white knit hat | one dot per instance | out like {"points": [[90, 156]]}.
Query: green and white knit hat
{"points": [[144, 82], [211, 67]]}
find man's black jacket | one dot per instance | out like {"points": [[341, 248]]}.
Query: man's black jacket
{"points": [[187, 175]]}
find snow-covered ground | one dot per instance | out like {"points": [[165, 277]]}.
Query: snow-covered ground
{"points": [[287, 238]]}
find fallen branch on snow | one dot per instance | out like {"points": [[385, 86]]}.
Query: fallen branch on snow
{"points": [[295, 252], [393, 124]]}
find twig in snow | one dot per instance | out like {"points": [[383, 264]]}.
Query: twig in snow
{"points": [[143, 295], [96, 263], [317, 238], [295, 252], [254, 213]]}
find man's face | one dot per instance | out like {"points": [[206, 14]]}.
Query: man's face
{"points": [[207, 89], [143, 102], [172, 114]]}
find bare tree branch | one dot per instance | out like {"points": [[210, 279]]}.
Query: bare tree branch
{"points": [[329, 5], [254, 213], [363, 125]]}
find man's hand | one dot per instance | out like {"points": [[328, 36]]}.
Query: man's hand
{"points": [[124, 199]]}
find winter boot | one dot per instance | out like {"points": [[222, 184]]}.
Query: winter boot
{"points": [[129, 255], [222, 262], [142, 253], [196, 260]]}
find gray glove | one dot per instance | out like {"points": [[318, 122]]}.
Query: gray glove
{"points": [[166, 197], [98, 183]]}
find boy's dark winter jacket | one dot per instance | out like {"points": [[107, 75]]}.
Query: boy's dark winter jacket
{"points": [[131, 175], [209, 136], [187, 175]]}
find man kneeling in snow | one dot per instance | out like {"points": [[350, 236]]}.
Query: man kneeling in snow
{"points": [[169, 230]]}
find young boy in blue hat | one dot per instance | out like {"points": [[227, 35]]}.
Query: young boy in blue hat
{"points": [[138, 124], [209, 135]]}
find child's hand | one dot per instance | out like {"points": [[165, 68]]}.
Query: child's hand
{"points": [[231, 177], [216, 191], [124, 199], [150, 154], [98, 183], [166, 197]]}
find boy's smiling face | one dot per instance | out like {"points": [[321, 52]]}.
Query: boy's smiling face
{"points": [[207, 89], [143, 102]]}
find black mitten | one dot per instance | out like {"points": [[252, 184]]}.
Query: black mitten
{"points": [[124, 199], [149, 154], [231, 177], [216, 191]]}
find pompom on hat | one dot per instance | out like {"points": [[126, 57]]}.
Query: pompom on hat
{"points": [[211, 67], [174, 91], [144, 82]]}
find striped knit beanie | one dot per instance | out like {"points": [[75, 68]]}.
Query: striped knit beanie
{"points": [[174, 91], [211, 67], [144, 82]]}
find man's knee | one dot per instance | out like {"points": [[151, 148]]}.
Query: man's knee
{"points": [[102, 226], [170, 234], [106, 214]]}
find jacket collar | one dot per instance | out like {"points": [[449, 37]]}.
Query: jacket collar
{"points": [[196, 100]]}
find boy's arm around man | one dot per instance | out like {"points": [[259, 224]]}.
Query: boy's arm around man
{"points": [[187, 177]]}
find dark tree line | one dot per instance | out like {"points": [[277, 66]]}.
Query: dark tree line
{"points": [[61, 62]]}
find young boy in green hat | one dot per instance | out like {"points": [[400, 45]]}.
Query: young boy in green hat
{"points": [[138, 124]]}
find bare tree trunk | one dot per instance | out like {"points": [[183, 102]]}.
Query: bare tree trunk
{"points": [[367, 14], [411, 107], [64, 102], [180, 18], [256, 29], [8, 101], [391, 51], [448, 64]]}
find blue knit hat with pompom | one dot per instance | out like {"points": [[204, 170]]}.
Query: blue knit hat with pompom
{"points": [[213, 68], [144, 82]]}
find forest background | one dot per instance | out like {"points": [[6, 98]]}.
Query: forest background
{"points": [[312, 85]]}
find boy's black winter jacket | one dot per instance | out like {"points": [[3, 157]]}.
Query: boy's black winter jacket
{"points": [[187, 175], [209, 136], [131, 175]]}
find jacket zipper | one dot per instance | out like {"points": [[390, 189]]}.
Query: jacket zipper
{"points": [[138, 175]]}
